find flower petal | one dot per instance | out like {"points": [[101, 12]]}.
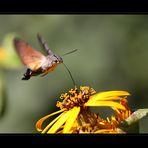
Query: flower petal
{"points": [[51, 123], [69, 123], [105, 103], [40, 121], [109, 95], [60, 122]]}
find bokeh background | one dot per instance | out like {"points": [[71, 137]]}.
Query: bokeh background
{"points": [[112, 55]]}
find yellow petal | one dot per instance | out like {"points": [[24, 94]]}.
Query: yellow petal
{"points": [[60, 122], [51, 123], [40, 121], [69, 123], [105, 103], [109, 95], [110, 98]]}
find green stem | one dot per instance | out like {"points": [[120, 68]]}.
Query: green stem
{"points": [[131, 124], [2, 93]]}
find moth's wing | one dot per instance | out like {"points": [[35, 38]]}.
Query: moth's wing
{"points": [[44, 44], [30, 57]]}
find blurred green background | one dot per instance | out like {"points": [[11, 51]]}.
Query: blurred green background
{"points": [[112, 55]]}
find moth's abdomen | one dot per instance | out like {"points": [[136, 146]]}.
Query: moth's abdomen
{"points": [[27, 74], [49, 69]]}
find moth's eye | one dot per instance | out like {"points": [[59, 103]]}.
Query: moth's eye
{"points": [[56, 61]]}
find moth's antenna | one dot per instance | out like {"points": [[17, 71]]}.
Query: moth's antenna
{"points": [[70, 75], [70, 52]]}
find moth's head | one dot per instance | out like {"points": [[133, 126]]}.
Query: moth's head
{"points": [[56, 59]]}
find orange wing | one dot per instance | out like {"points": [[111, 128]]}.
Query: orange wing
{"points": [[30, 57]]}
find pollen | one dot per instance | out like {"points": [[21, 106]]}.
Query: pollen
{"points": [[75, 97]]}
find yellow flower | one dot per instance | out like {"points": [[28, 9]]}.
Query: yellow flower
{"points": [[2, 54], [8, 56], [76, 116]]}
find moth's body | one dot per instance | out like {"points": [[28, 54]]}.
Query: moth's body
{"points": [[34, 60], [47, 65], [50, 62]]}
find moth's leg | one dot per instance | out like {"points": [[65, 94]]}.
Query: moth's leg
{"points": [[27, 74], [44, 74]]}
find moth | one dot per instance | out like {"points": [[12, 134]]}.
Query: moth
{"points": [[36, 62]]}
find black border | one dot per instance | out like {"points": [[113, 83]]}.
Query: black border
{"points": [[70, 140], [73, 6]]}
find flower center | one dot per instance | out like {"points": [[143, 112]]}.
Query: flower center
{"points": [[75, 97]]}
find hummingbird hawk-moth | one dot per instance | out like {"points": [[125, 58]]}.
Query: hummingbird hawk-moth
{"points": [[36, 62]]}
